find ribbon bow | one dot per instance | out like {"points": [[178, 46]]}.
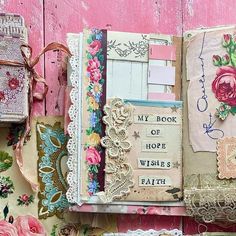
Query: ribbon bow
{"points": [[35, 78]]}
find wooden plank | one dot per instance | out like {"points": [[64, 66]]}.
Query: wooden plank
{"points": [[32, 11], [208, 13], [61, 17], [126, 79]]}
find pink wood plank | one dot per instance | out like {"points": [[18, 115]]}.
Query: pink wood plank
{"points": [[207, 13], [62, 17], [32, 11]]}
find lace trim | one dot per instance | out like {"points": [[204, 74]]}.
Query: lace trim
{"points": [[151, 232], [74, 127], [209, 199], [119, 179]]}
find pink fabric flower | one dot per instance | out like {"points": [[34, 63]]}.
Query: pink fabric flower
{"points": [[94, 47], [224, 85], [92, 156], [7, 229], [29, 226]]}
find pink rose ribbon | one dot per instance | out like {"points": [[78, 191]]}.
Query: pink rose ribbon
{"points": [[35, 78]]}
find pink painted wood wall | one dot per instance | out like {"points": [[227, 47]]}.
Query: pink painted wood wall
{"points": [[50, 20]]}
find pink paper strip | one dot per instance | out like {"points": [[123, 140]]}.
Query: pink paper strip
{"points": [[162, 52], [161, 75], [127, 209], [161, 96]]}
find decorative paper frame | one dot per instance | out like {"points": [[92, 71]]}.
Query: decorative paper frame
{"points": [[226, 158], [51, 144]]}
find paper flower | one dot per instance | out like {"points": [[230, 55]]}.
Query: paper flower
{"points": [[223, 111], [224, 85], [93, 104], [226, 40], [6, 186], [25, 200], [94, 47], [29, 225], [7, 229], [216, 59], [92, 156], [94, 139]]}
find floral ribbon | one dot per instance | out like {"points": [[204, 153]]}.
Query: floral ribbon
{"points": [[35, 78]]}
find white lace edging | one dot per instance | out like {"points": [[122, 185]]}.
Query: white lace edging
{"points": [[150, 232], [74, 127]]}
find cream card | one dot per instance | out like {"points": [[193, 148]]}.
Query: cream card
{"points": [[143, 151]]}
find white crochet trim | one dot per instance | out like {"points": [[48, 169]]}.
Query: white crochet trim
{"points": [[74, 42]]}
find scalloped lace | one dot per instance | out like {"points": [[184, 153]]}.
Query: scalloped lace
{"points": [[74, 127], [208, 198]]}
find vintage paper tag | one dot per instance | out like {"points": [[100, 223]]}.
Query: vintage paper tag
{"points": [[226, 157], [161, 75], [162, 52], [210, 110], [150, 148]]}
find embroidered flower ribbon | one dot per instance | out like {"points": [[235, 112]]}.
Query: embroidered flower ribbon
{"points": [[35, 78]]}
